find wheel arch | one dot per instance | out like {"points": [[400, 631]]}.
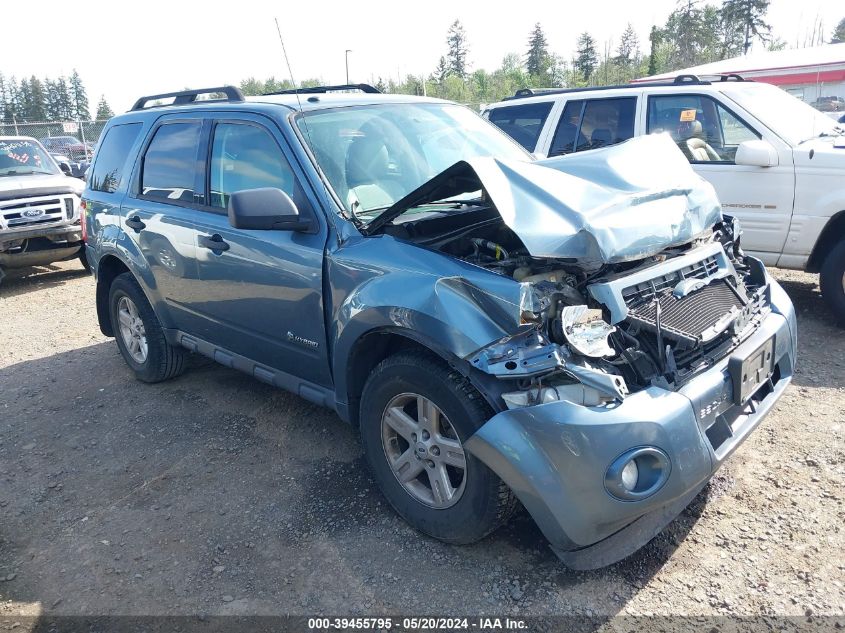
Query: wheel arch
{"points": [[832, 233], [377, 344], [108, 268]]}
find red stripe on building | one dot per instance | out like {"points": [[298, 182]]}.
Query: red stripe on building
{"points": [[826, 76]]}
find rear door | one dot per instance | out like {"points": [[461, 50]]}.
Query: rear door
{"points": [[586, 124], [108, 181], [260, 292], [158, 213], [708, 133]]}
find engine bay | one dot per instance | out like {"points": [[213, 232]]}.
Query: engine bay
{"points": [[658, 329]]}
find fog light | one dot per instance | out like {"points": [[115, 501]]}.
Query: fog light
{"points": [[630, 475], [637, 473]]}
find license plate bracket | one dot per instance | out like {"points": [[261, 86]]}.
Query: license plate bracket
{"points": [[750, 371]]}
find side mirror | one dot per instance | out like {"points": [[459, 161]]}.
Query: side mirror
{"points": [[66, 170], [756, 154], [266, 209]]}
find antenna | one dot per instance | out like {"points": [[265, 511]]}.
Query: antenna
{"points": [[311, 145], [290, 72]]}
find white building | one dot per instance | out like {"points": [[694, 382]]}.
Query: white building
{"points": [[807, 73]]}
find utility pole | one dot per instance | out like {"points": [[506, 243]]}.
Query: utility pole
{"points": [[348, 50]]}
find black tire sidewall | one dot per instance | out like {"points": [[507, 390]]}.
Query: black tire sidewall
{"points": [[126, 286], [476, 513], [830, 281]]}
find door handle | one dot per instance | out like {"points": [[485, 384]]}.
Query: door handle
{"points": [[135, 224], [213, 242]]}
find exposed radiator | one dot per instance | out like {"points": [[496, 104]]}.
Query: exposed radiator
{"points": [[696, 318]]}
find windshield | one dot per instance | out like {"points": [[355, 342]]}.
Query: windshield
{"points": [[20, 157], [788, 117], [375, 155]]}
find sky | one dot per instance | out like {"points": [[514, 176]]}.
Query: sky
{"points": [[126, 50]]}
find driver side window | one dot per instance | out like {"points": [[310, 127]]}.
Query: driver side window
{"points": [[704, 130], [243, 157]]}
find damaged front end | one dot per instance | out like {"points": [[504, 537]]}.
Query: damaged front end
{"points": [[648, 344], [598, 338]]}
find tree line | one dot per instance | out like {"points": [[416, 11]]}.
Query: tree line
{"points": [[695, 32], [32, 100]]}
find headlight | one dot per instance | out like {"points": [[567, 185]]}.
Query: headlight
{"points": [[586, 331]]}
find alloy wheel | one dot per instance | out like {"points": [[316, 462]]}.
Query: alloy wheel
{"points": [[132, 329], [423, 450]]}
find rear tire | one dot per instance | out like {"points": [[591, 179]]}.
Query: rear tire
{"points": [[410, 471], [139, 335], [832, 282]]}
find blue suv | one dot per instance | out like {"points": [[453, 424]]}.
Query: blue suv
{"points": [[583, 335]]}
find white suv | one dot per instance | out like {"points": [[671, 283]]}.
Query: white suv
{"points": [[777, 164]]}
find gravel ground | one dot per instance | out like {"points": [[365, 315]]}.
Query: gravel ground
{"points": [[216, 494]]}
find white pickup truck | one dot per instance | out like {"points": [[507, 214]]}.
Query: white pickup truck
{"points": [[39, 207], [777, 164]]}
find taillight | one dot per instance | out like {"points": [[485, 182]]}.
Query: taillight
{"points": [[83, 220]]}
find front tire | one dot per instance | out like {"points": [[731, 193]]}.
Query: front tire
{"points": [[83, 259], [832, 282], [416, 413], [139, 335]]}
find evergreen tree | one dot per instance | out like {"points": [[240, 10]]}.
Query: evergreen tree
{"points": [[629, 48], [104, 110], [586, 58], [380, 85], [37, 111], [64, 100], [749, 15], [537, 60], [25, 105], [12, 100], [654, 38], [442, 70], [456, 39], [51, 105], [79, 98], [838, 36], [4, 98]]}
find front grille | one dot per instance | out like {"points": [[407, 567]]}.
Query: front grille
{"points": [[25, 212], [691, 318]]}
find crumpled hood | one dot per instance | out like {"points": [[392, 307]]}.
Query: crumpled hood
{"points": [[610, 205]]}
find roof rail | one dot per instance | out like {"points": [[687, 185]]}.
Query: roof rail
{"points": [[184, 97], [685, 79], [367, 88]]}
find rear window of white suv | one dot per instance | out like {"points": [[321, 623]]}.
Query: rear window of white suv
{"points": [[523, 123]]}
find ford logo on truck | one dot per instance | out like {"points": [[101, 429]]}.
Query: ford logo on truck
{"points": [[33, 213]]}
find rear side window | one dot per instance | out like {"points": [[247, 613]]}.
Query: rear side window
{"points": [[523, 123], [107, 172], [170, 164], [594, 123]]}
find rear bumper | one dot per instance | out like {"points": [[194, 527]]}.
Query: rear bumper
{"points": [[554, 456]]}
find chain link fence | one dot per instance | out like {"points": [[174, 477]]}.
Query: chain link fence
{"points": [[75, 139]]}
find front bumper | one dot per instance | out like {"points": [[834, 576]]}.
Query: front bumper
{"points": [[554, 456], [54, 243]]}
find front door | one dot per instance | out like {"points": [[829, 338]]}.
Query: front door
{"points": [[708, 133], [260, 292]]}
